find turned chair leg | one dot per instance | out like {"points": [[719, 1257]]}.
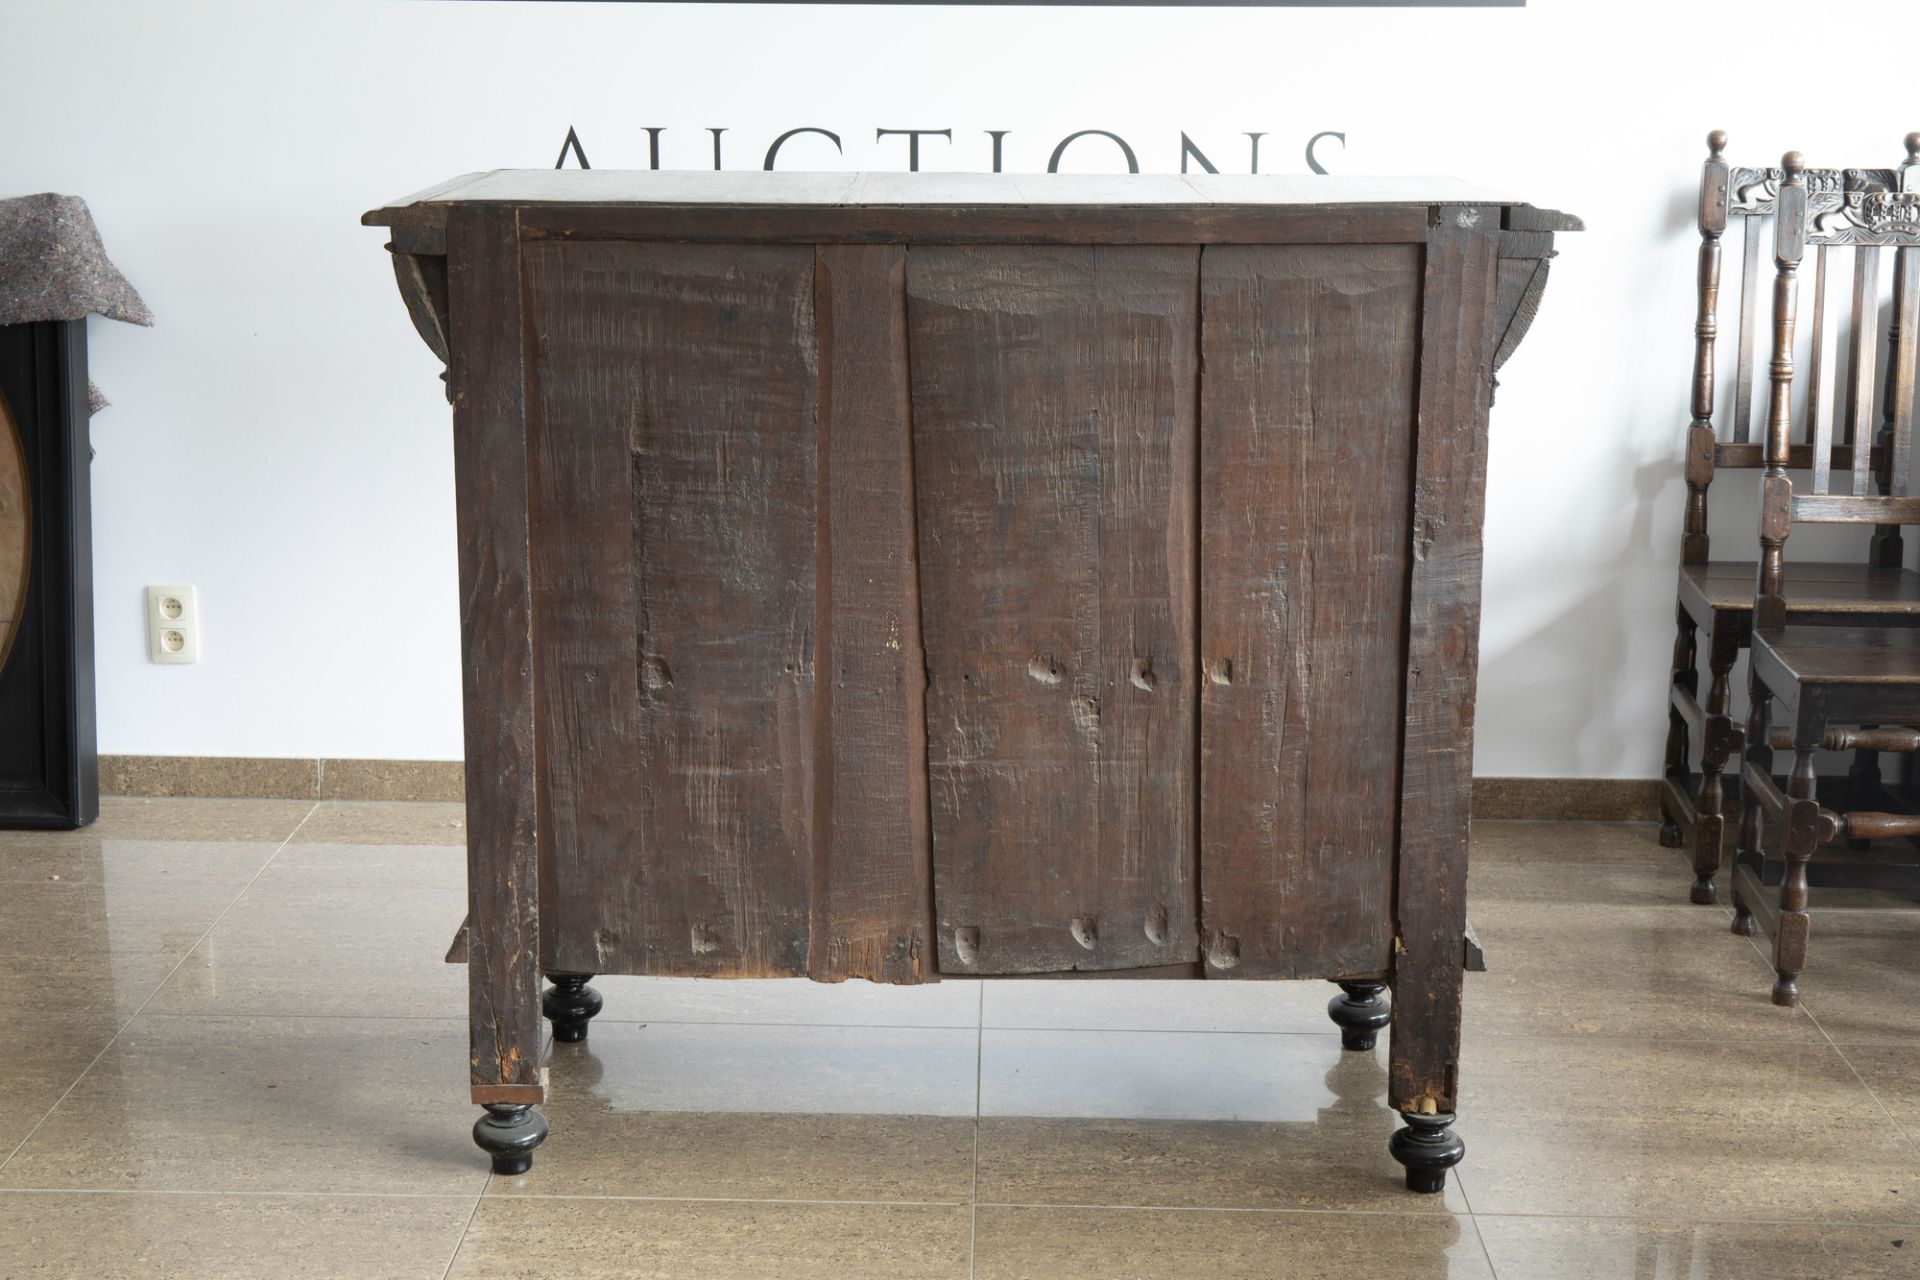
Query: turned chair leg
{"points": [[1427, 1147], [1686, 675], [570, 1005], [1717, 747], [1758, 754], [1360, 1013], [1802, 838]]}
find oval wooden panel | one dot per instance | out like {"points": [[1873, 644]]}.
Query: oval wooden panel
{"points": [[16, 531]]}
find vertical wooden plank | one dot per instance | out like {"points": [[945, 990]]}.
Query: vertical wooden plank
{"points": [[1750, 287], [677, 391], [873, 874], [496, 642], [1443, 625], [1863, 340], [1053, 419], [1900, 388], [581, 516], [1819, 416], [1306, 430], [1887, 548]]}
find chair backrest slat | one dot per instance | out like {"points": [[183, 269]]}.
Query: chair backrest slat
{"points": [[1862, 344], [1865, 220], [1729, 438], [1819, 421], [1749, 313], [1900, 386]]}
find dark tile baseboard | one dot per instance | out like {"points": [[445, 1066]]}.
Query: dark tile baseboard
{"points": [[1567, 799], [281, 779]]}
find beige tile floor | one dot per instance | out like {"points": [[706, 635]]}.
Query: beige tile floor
{"points": [[234, 1051]]}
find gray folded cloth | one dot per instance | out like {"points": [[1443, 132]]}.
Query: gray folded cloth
{"points": [[53, 267]]}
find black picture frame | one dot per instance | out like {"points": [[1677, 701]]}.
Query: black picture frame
{"points": [[49, 755]]}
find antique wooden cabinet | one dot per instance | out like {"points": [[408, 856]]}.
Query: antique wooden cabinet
{"points": [[902, 576]]}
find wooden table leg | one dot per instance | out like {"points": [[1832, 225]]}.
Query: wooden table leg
{"points": [[1443, 627], [490, 477]]}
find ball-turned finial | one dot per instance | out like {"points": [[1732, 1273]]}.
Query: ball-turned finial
{"points": [[1716, 144], [1793, 164], [1913, 148]]}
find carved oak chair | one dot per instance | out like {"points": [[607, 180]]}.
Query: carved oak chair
{"points": [[1716, 596], [1834, 687]]}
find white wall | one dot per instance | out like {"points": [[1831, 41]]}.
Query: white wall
{"points": [[280, 438]]}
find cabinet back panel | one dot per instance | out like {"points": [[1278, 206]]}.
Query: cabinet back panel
{"points": [[1157, 713], [1306, 447], [674, 398], [1053, 399]]}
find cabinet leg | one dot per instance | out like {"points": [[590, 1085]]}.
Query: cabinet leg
{"points": [[1428, 1148], [570, 1004], [509, 1133], [1360, 1013]]}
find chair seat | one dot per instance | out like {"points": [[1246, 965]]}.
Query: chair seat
{"points": [[1840, 657], [1726, 586]]}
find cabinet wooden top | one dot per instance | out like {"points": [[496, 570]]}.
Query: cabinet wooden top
{"points": [[615, 203]]}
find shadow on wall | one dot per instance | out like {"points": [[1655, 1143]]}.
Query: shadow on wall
{"points": [[1592, 638], [1609, 647], [1573, 661]]}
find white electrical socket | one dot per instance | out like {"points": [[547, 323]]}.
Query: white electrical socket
{"points": [[173, 624]]}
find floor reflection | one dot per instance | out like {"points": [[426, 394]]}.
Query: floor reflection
{"points": [[236, 1052]]}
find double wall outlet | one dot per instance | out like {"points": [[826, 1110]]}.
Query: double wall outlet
{"points": [[173, 624]]}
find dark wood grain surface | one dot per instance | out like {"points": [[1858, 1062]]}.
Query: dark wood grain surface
{"points": [[1307, 409], [887, 586], [496, 643], [675, 426], [1054, 402], [1442, 665], [1112, 648], [873, 870]]}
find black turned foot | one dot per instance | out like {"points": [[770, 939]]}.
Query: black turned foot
{"points": [[509, 1133], [1702, 892], [1786, 989], [1428, 1149], [570, 1004], [1742, 919], [1670, 833], [1359, 1013]]}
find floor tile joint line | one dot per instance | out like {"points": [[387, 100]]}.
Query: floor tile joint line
{"points": [[464, 1231], [159, 986]]}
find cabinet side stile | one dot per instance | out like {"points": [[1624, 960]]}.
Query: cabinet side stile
{"points": [[487, 376], [1455, 395]]}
